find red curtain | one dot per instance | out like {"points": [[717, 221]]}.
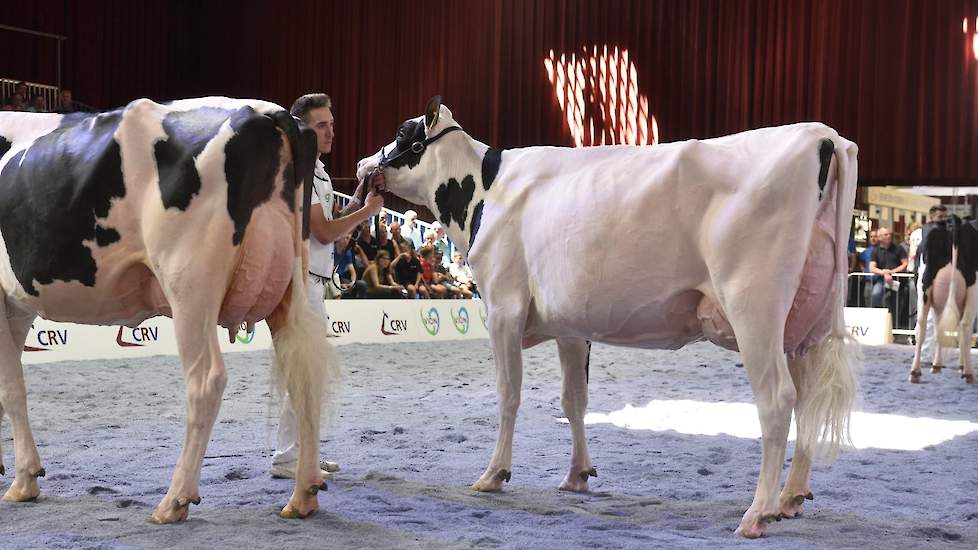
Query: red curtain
{"points": [[896, 76]]}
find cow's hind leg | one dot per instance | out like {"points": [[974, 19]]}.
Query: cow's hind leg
{"points": [[14, 325], [923, 313], [965, 330], [760, 339], [574, 354], [205, 378], [506, 333], [796, 488]]}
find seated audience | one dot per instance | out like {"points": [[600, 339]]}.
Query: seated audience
{"points": [[407, 271], [349, 286], [443, 277], [462, 274], [379, 279], [435, 290]]}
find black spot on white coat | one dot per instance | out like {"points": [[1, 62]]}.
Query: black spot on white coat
{"points": [[56, 195], [452, 200], [187, 133], [252, 161]]}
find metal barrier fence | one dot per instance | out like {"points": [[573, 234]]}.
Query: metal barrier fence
{"points": [[901, 301], [51, 93]]}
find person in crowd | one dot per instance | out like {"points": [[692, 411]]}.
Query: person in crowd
{"points": [[444, 277], [435, 289], [366, 241], [15, 103], [348, 285], [400, 242], [462, 273], [21, 89], [887, 260], [436, 238], [864, 257], [316, 111], [407, 271], [380, 280], [912, 242], [411, 230], [384, 241], [66, 103], [38, 105]]}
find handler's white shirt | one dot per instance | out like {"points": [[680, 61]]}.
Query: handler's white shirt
{"points": [[321, 255]]}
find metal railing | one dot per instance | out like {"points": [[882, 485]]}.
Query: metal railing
{"points": [[901, 302]]}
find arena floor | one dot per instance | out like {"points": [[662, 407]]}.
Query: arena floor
{"points": [[416, 425]]}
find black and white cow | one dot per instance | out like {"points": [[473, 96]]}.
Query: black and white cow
{"points": [[948, 287], [192, 209], [740, 240]]}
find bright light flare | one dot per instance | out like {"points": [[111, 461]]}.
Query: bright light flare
{"points": [[869, 430], [599, 94]]}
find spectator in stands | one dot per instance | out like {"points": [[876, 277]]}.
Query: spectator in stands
{"points": [[21, 88], [912, 241], [384, 241], [348, 286], [379, 280], [400, 243], [462, 274], [435, 290], [15, 103], [38, 105], [444, 277], [411, 230], [887, 259], [66, 104], [407, 271], [366, 241], [435, 238], [864, 257]]}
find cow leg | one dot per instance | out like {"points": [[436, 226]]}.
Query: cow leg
{"points": [[923, 311], [796, 488], [574, 354], [965, 331], [506, 335], [775, 396], [14, 326], [205, 378]]}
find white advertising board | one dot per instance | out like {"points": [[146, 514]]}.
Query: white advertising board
{"points": [[869, 325], [353, 321]]}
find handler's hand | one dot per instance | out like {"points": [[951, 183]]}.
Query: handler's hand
{"points": [[378, 182], [374, 204]]}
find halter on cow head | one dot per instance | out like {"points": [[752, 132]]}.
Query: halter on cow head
{"points": [[433, 162]]}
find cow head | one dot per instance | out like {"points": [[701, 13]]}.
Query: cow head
{"points": [[433, 162]]}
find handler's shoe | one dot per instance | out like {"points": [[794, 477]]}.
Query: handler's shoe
{"points": [[286, 470]]}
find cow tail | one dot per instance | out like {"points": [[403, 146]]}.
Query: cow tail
{"points": [[947, 327], [826, 373]]}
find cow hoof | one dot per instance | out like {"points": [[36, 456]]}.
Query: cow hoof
{"points": [[914, 377], [752, 529], [16, 495], [289, 512], [792, 507], [968, 378], [936, 369], [492, 484]]}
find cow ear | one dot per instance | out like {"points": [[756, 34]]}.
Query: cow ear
{"points": [[432, 111]]}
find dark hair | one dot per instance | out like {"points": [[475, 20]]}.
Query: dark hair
{"points": [[308, 102], [937, 208]]}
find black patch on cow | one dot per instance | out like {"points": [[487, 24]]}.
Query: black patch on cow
{"points": [[967, 239], [106, 236], [476, 222], [453, 199], [251, 162], [4, 146], [187, 133], [55, 195], [490, 166], [825, 150], [299, 171], [937, 243], [410, 132]]}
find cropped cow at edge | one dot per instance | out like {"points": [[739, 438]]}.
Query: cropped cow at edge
{"points": [[727, 268], [948, 288], [193, 209]]}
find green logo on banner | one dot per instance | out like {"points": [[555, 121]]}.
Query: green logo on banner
{"points": [[431, 320], [461, 321], [248, 336]]}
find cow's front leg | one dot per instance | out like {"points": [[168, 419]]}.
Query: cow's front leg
{"points": [[205, 378], [775, 396], [13, 401], [923, 312], [574, 354], [507, 348]]}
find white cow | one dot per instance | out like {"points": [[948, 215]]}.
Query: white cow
{"points": [[742, 235], [193, 209]]}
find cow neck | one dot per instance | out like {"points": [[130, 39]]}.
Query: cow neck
{"points": [[454, 200]]}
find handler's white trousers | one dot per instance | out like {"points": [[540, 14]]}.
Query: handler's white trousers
{"points": [[287, 448]]}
